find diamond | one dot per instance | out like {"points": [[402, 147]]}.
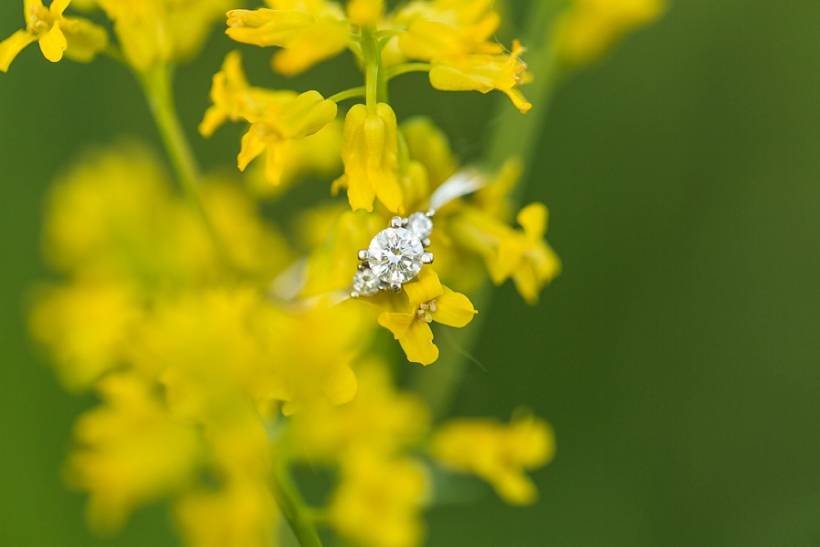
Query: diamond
{"points": [[365, 282], [421, 225], [394, 255]]}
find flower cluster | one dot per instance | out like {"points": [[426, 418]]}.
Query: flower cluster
{"points": [[227, 351]]}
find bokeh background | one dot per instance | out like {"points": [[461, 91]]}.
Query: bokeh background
{"points": [[678, 355]]}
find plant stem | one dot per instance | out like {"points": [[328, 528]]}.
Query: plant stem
{"points": [[293, 508], [156, 84], [515, 135], [351, 93], [405, 68], [375, 77]]}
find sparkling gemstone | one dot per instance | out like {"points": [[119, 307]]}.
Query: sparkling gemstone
{"points": [[365, 282], [394, 255], [420, 224]]}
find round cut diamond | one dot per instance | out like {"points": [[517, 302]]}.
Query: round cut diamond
{"points": [[420, 224], [394, 255], [365, 282]]}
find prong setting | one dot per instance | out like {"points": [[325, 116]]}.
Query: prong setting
{"points": [[394, 256]]}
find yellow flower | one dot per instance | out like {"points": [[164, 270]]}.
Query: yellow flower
{"points": [[205, 349], [448, 29], [310, 356], [130, 452], [113, 214], [591, 27], [285, 117], [538, 264], [484, 73], [427, 300], [499, 454], [153, 32], [255, 248], [78, 39], [231, 96], [522, 255], [241, 514], [308, 31], [238, 510], [85, 327], [317, 155], [370, 155], [379, 501], [379, 418]]}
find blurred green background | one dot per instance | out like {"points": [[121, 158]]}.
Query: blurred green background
{"points": [[678, 355]]}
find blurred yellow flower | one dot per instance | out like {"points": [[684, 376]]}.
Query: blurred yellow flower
{"points": [[241, 514], [379, 501], [427, 300], [308, 31], [380, 419], [447, 29], [130, 451], [499, 454], [591, 27], [155, 32], [85, 326], [78, 39], [370, 155]]}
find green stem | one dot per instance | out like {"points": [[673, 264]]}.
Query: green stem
{"points": [[156, 84], [515, 135], [375, 76], [293, 508], [406, 68], [348, 94]]}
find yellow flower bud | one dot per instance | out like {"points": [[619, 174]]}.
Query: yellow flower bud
{"points": [[365, 13], [370, 155]]}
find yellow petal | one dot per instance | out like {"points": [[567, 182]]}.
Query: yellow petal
{"points": [[453, 309], [447, 78], [12, 46], [214, 117], [426, 287], [53, 43], [57, 7], [85, 39], [341, 385], [252, 146], [533, 218], [418, 344], [518, 99], [397, 323], [323, 40], [274, 161], [515, 488]]}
